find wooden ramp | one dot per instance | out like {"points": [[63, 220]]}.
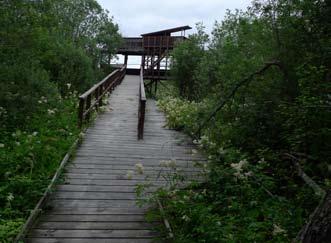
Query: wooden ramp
{"points": [[97, 202]]}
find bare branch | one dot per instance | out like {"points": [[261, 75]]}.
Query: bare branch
{"points": [[235, 89], [317, 189]]}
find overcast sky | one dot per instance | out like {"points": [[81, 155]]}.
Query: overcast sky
{"points": [[136, 17]]}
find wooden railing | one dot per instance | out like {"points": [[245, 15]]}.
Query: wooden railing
{"points": [[132, 44], [142, 106], [92, 99]]}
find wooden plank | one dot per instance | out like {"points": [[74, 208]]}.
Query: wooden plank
{"points": [[130, 161], [71, 203], [94, 225], [138, 157], [81, 240], [95, 195], [115, 167], [94, 234], [155, 171], [110, 182], [95, 188], [125, 176], [96, 211], [93, 218]]}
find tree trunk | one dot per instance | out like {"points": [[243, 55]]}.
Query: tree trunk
{"points": [[318, 229]]}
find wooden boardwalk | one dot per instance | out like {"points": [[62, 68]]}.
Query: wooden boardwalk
{"points": [[97, 202]]}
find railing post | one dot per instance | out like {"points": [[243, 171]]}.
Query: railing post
{"points": [[100, 94], [141, 106], [97, 95], [88, 105], [81, 112], [141, 117]]}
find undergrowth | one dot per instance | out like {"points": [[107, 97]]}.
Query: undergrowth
{"points": [[29, 158], [246, 198]]}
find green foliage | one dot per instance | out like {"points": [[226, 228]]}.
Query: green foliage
{"points": [[49, 51], [8, 229], [266, 111], [253, 192], [186, 57], [72, 67], [245, 197], [179, 113], [30, 156]]}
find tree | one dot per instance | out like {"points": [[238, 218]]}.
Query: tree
{"points": [[186, 56]]}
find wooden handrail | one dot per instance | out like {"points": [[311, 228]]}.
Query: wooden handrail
{"points": [[92, 98], [142, 106]]}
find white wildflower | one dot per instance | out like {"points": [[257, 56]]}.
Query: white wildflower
{"points": [[2, 111], [186, 218], [278, 230], [204, 192], [129, 174], [140, 168], [164, 163], [168, 163], [68, 85], [248, 174], [221, 151], [2, 145], [10, 197], [34, 133], [239, 167], [42, 100], [50, 112], [18, 143]]}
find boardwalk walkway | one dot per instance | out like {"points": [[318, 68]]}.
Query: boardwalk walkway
{"points": [[97, 200]]}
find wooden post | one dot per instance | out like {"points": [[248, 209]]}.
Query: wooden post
{"points": [[141, 106], [81, 112], [155, 86], [97, 95], [143, 60], [141, 122], [126, 60], [100, 94], [88, 105]]}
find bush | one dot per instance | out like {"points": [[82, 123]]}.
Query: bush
{"points": [[259, 90]]}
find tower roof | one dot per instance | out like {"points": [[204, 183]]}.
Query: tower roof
{"points": [[168, 31]]}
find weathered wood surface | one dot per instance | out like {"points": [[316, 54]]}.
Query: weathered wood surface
{"points": [[96, 201]]}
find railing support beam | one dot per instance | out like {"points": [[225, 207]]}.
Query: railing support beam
{"points": [[141, 106]]}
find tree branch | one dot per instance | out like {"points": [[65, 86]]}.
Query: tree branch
{"points": [[233, 92], [317, 189]]}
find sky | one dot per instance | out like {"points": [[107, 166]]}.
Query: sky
{"points": [[136, 17]]}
